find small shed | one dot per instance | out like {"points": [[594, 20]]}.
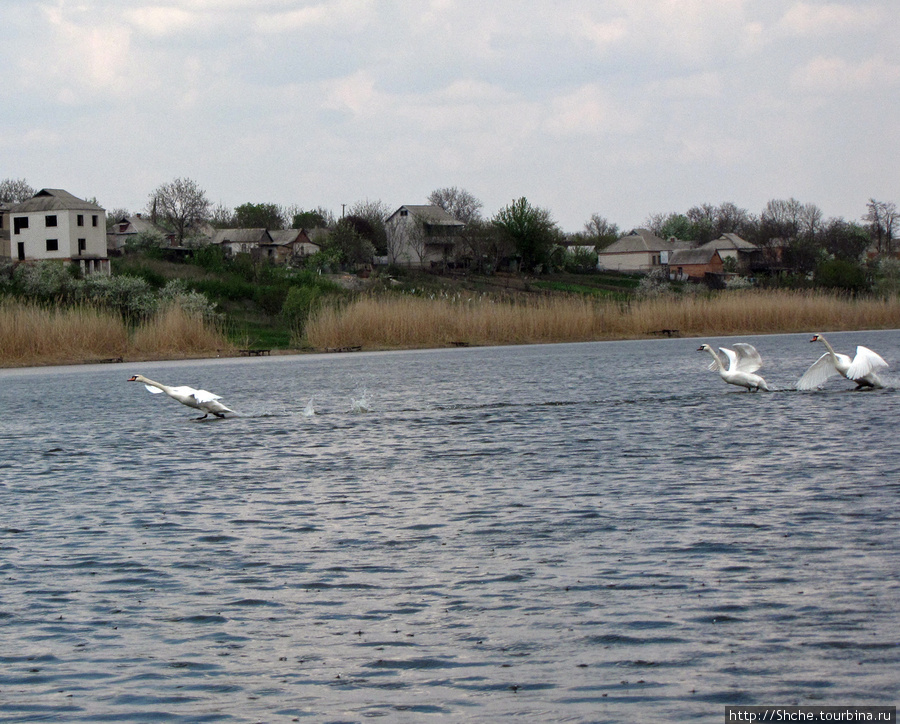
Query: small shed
{"points": [[695, 264]]}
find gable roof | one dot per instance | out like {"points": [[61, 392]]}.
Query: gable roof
{"points": [[703, 255], [730, 241], [242, 236], [432, 215], [283, 237], [53, 200], [638, 240], [137, 224]]}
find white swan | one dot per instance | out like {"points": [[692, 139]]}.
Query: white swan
{"points": [[198, 399], [743, 361], [861, 369]]}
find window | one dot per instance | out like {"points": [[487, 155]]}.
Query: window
{"points": [[82, 245], [52, 244], [19, 223], [81, 219], [94, 220], [50, 220], [404, 212]]}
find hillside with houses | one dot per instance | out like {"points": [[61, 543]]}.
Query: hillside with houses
{"points": [[264, 267]]}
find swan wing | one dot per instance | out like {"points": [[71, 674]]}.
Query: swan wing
{"points": [[748, 359], [818, 372], [204, 396], [732, 358], [154, 390], [865, 363]]}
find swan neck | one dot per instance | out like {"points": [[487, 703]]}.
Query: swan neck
{"points": [[828, 346], [153, 383], [718, 359]]}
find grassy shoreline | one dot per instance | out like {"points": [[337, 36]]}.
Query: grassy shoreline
{"points": [[38, 335]]}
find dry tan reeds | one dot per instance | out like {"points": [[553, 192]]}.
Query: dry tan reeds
{"points": [[399, 322], [174, 332], [35, 334]]}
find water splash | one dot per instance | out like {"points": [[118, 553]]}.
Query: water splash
{"points": [[362, 403], [309, 410]]}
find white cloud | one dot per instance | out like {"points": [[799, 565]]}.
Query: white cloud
{"points": [[835, 75], [638, 104], [809, 19], [589, 111]]}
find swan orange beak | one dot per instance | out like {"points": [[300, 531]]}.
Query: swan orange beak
{"points": [[133, 378], [815, 338]]}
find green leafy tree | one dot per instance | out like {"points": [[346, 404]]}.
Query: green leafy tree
{"points": [[375, 214], [258, 216], [180, 206], [312, 219], [531, 230], [353, 248], [842, 274], [845, 240]]}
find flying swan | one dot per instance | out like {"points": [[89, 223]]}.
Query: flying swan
{"points": [[198, 399], [861, 369], [743, 361]]}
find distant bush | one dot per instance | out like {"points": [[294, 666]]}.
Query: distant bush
{"points": [[841, 274]]}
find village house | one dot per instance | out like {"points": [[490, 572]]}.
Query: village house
{"points": [[129, 227], [422, 236], [276, 245], [241, 241], [291, 244], [639, 251], [56, 225], [731, 246]]}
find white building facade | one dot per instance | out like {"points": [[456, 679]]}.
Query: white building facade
{"points": [[55, 225]]}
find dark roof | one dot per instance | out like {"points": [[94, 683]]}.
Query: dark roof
{"points": [[242, 236], [702, 255], [53, 200]]}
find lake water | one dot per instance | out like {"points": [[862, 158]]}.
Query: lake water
{"points": [[569, 533]]}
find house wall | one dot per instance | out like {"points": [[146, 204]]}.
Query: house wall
{"points": [[401, 247], [642, 261], [699, 271], [67, 232]]}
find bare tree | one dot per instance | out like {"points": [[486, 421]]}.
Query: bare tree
{"points": [[600, 232], [459, 203], [222, 217], [15, 190], [882, 219], [180, 205]]}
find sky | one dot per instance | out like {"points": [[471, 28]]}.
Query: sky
{"points": [[623, 108]]}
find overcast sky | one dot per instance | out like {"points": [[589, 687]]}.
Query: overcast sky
{"points": [[619, 107]]}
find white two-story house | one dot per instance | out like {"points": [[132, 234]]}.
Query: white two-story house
{"points": [[54, 224]]}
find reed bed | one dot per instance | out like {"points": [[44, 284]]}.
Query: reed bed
{"points": [[174, 332], [36, 334], [407, 322]]}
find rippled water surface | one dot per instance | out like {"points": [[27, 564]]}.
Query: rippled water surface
{"points": [[571, 533]]}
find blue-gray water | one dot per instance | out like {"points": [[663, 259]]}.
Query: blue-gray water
{"points": [[567, 533]]}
